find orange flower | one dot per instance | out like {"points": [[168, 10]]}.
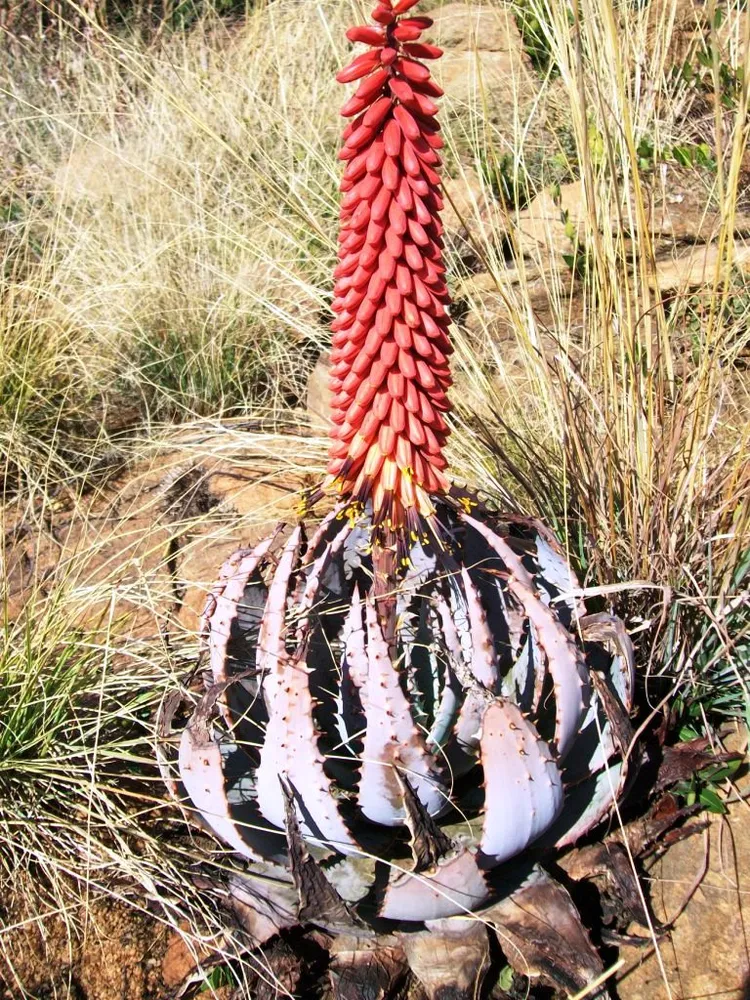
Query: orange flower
{"points": [[390, 372]]}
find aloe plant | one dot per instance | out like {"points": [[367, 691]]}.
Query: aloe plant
{"points": [[401, 705]]}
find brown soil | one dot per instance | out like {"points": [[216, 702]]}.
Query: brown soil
{"points": [[115, 955]]}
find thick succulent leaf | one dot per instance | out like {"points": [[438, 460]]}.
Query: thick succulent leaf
{"points": [[515, 620], [606, 727], [165, 754], [457, 610], [221, 628], [564, 659], [591, 800], [290, 750], [442, 739], [541, 934], [587, 804], [423, 564], [351, 720], [215, 788], [462, 751], [356, 547], [272, 637], [316, 574], [317, 614], [610, 631], [450, 957], [222, 611], [483, 566], [319, 902], [594, 746], [456, 886], [446, 712], [526, 669], [423, 669], [483, 656], [322, 532], [263, 906], [556, 575], [391, 740], [523, 787], [451, 639], [605, 731]]}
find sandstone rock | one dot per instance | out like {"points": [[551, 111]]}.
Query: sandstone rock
{"points": [[678, 204], [468, 203], [553, 299], [682, 206], [541, 227], [146, 538], [694, 268], [489, 27], [707, 953], [319, 394], [484, 60]]}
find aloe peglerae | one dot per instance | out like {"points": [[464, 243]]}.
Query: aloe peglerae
{"points": [[407, 700]]}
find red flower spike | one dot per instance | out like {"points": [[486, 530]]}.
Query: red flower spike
{"points": [[383, 15], [389, 360]]}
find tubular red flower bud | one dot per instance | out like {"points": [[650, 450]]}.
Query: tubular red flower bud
{"points": [[403, 5], [370, 36], [389, 351], [422, 51]]}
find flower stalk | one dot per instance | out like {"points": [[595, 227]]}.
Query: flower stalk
{"points": [[390, 373]]}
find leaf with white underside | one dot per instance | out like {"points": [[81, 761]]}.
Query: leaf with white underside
{"points": [[290, 749], [315, 576], [596, 744], [587, 804], [391, 740], [564, 659], [219, 625], [209, 783], [555, 572], [522, 783], [455, 886], [610, 631], [271, 638], [483, 657]]}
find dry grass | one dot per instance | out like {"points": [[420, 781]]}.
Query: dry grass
{"points": [[624, 420], [166, 242]]}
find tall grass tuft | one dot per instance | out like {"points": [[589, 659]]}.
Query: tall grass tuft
{"points": [[621, 415]]}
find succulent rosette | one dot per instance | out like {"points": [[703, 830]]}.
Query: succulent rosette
{"points": [[403, 702]]}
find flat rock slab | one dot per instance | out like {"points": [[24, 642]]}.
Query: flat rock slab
{"points": [[167, 524], [707, 954]]}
